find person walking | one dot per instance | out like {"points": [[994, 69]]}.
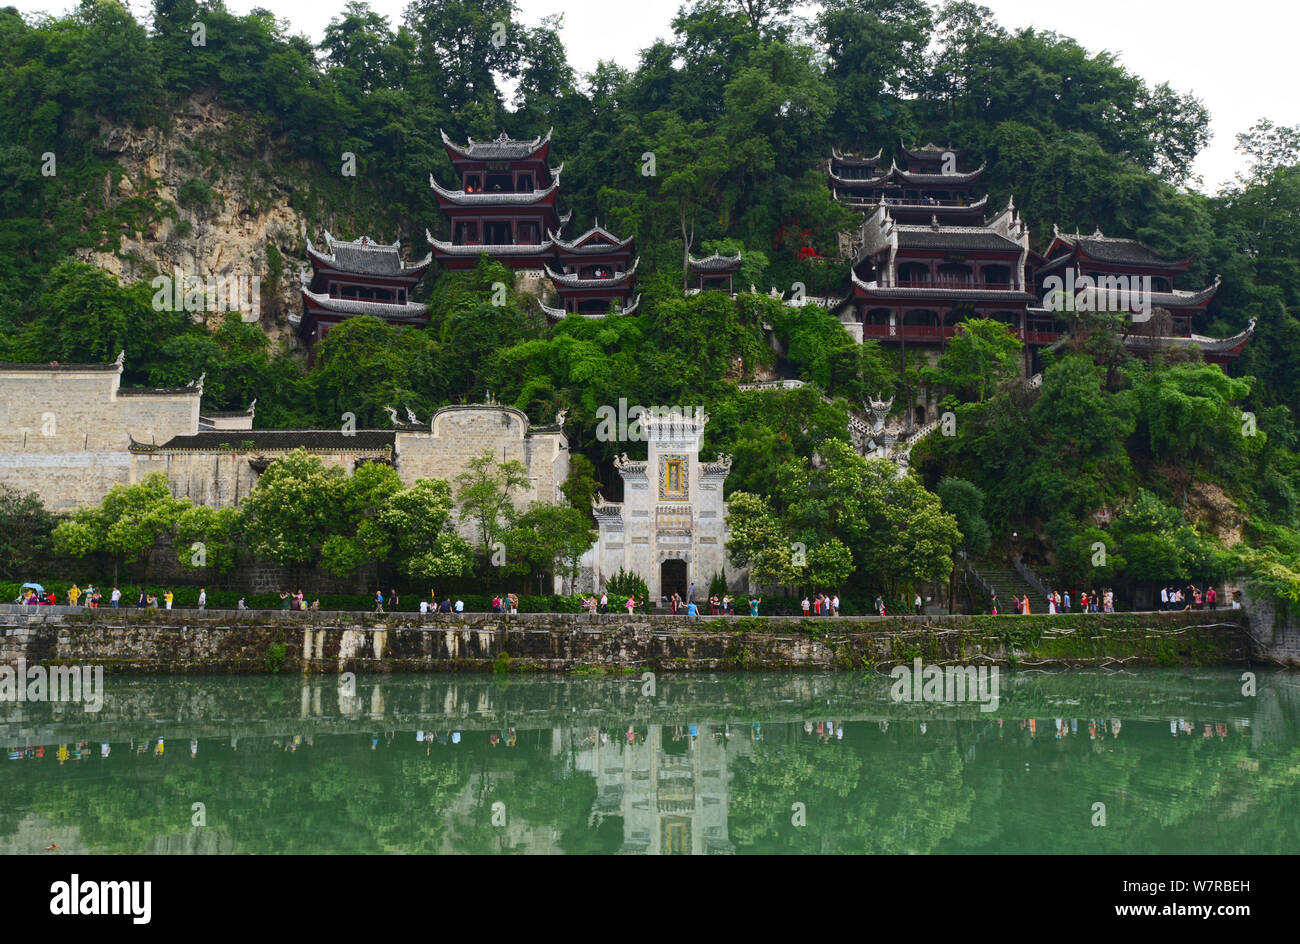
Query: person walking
{"points": [[804, 606], [753, 605], [168, 596], [916, 604], [1212, 598], [116, 597], [379, 601], [203, 598], [604, 602]]}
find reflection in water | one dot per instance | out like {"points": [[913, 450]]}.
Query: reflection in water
{"points": [[777, 763]]}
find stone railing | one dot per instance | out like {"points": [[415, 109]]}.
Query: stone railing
{"points": [[1031, 578]]}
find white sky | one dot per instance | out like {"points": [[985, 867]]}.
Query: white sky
{"points": [[1237, 57]]}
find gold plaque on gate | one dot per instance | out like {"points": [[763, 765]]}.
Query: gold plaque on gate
{"points": [[672, 478]]}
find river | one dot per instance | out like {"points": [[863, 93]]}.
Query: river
{"points": [[1151, 761]]}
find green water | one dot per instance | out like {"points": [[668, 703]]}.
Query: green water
{"points": [[690, 764]]}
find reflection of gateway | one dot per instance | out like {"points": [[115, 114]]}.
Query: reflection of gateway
{"points": [[671, 794]]}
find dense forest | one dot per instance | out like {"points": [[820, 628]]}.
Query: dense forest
{"points": [[740, 107]]}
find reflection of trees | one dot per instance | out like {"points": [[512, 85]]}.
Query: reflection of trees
{"points": [[908, 800]]}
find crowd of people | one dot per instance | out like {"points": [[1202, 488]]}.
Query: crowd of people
{"points": [[1193, 597], [1088, 601]]}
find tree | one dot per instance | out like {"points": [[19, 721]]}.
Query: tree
{"points": [[549, 539], [25, 529], [418, 521], [483, 493], [128, 524], [758, 541], [294, 509], [209, 538], [979, 358]]}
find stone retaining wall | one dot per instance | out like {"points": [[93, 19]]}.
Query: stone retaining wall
{"points": [[214, 641]]}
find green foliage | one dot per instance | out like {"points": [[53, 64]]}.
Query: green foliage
{"points": [[25, 532], [625, 584], [128, 524]]}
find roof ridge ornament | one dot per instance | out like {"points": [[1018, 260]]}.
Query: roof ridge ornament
{"points": [[121, 358], [392, 414]]}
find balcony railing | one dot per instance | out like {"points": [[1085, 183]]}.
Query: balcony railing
{"points": [[968, 284], [936, 333]]}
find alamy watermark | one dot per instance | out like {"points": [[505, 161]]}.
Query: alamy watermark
{"points": [[1109, 293], [213, 293], [629, 423], [953, 684], [60, 683]]}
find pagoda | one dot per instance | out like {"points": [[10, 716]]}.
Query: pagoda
{"points": [[717, 272], [928, 184], [1107, 273], [504, 204], [360, 277], [916, 283], [593, 274]]}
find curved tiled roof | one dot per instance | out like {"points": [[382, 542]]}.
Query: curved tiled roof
{"points": [[917, 236], [855, 160], [274, 440], [461, 198], [573, 281], [878, 181], [1118, 249], [940, 291], [1207, 344], [498, 149], [522, 249], [714, 263], [575, 244], [368, 306], [365, 257], [559, 314], [935, 179], [928, 151]]}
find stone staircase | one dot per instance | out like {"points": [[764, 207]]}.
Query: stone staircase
{"points": [[1007, 582]]}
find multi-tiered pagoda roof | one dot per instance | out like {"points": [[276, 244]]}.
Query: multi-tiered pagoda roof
{"points": [[593, 274], [503, 203], [927, 184], [1091, 270], [358, 277]]}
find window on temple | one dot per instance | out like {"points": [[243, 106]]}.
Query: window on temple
{"points": [[499, 183], [472, 183], [913, 273], [466, 234], [497, 234], [996, 275], [954, 273]]}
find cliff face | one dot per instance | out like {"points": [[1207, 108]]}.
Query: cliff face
{"points": [[229, 203]]}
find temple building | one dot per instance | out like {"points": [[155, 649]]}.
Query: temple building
{"points": [[671, 525], [929, 184], [1107, 273], [504, 203], [360, 277], [715, 272], [914, 284], [593, 275]]}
